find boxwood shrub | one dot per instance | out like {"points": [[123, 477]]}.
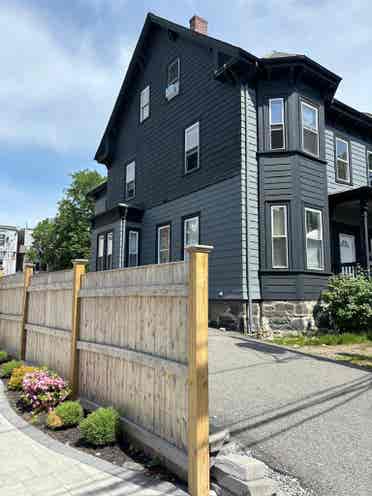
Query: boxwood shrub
{"points": [[70, 412], [101, 427]]}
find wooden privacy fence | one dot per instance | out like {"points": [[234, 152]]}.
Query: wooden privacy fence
{"points": [[135, 338]]}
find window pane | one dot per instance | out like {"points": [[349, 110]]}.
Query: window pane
{"points": [[130, 180], [164, 257], [310, 142], [276, 112], [173, 72], [279, 227], [192, 161], [109, 244], [309, 117], [192, 137], [101, 245], [342, 150], [164, 238], [342, 170], [277, 137], [130, 172], [370, 161], [314, 254], [313, 227], [133, 248], [192, 231], [280, 252]]}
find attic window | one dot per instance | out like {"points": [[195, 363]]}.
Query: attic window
{"points": [[145, 104], [173, 79]]}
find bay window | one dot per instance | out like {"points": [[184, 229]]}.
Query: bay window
{"points": [[310, 129], [279, 236], [314, 239]]}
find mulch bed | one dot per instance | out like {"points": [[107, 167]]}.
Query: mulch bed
{"points": [[122, 454]]}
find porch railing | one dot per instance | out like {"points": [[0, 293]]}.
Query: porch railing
{"points": [[352, 269]]}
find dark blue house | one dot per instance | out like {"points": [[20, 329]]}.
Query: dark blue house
{"points": [[210, 144]]}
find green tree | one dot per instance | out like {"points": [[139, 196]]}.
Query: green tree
{"points": [[58, 241]]}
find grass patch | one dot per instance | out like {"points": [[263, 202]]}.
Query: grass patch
{"points": [[355, 359], [327, 339]]}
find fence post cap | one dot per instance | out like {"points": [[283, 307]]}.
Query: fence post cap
{"points": [[80, 261], [199, 249]]}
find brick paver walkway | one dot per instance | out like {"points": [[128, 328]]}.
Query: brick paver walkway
{"points": [[33, 464]]}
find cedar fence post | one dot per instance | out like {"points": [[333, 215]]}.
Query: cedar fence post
{"points": [[198, 415], [28, 270], [78, 272]]}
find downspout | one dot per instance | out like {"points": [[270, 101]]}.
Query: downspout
{"points": [[249, 296], [122, 241]]}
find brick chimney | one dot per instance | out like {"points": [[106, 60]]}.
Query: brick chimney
{"points": [[199, 25]]}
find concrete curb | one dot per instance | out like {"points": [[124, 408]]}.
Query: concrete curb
{"points": [[108, 468]]}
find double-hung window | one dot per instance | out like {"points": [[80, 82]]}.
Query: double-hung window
{"points": [[369, 162], [163, 247], [145, 104], [2, 239], [173, 79], [105, 251], [314, 239], [190, 233], [277, 126], [101, 252], [109, 239], [342, 161], [192, 148], [133, 248], [310, 129], [279, 236], [130, 181]]}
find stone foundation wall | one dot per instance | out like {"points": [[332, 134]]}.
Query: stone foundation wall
{"points": [[269, 317]]}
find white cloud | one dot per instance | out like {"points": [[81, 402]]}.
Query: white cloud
{"points": [[50, 96]]}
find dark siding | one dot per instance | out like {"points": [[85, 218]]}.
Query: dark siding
{"points": [[157, 144], [115, 227], [220, 226]]}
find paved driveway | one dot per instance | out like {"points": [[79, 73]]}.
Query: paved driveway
{"points": [[308, 417]]}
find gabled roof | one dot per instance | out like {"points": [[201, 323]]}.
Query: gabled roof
{"points": [[102, 153]]}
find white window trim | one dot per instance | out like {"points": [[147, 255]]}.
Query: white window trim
{"points": [[196, 124], [347, 162], [177, 60], [369, 154], [303, 127], [308, 209], [277, 124], [273, 207], [127, 197], [131, 232], [185, 221], [146, 104], [160, 228]]}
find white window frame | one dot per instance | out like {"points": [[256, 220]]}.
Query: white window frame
{"points": [[285, 235], [303, 127], [188, 130], [308, 209], [136, 253], [127, 197], [174, 61], [2, 239], [160, 228], [277, 124], [340, 179], [145, 103], [369, 158], [185, 222]]}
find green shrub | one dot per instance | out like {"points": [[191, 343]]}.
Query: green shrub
{"points": [[7, 368], [70, 412], [17, 376], [349, 303], [101, 427], [3, 356]]}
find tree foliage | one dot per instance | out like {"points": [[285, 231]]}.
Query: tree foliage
{"points": [[59, 240]]}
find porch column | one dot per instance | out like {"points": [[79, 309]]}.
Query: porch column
{"points": [[364, 237]]}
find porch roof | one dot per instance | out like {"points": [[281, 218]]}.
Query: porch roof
{"points": [[351, 195]]}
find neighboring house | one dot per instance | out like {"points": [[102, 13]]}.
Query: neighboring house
{"points": [[210, 144], [25, 241], [8, 249]]}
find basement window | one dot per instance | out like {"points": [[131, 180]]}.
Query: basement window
{"points": [[277, 128]]}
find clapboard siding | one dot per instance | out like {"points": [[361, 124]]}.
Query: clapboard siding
{"points": [[358, 161], [219, 207], [157, 145], [249, 195]]}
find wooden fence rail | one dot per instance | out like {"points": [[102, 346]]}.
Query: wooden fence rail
{"points": [[135, 338]]}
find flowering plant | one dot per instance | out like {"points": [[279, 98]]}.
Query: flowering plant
{"points": [[44, 390]]}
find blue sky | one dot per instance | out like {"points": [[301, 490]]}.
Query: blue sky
{"points": [[62, 64]]}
